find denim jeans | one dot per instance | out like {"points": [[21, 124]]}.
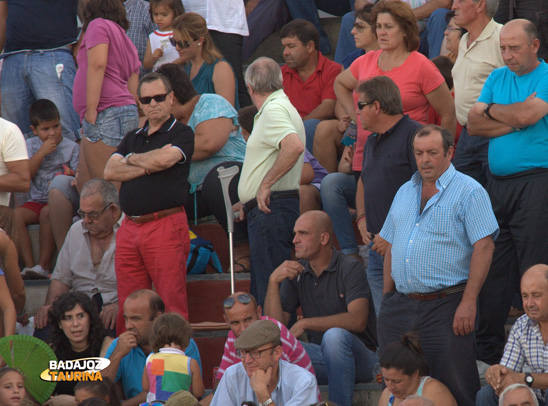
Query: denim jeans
{"points": [[32, 75], [341, 360], [310, 129], [345, 43], [338, 191], [471, 157], [270, 241], [487, 397], [308, 9], [112, 125], [374, 273]]}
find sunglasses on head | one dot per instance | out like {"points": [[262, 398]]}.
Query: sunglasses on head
{"points": [[362, 104], [155, 403], [158, 98], [229, 302], [182, 44]]}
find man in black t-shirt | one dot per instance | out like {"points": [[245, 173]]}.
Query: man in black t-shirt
{"points": [[332, 291], [153, 163]]}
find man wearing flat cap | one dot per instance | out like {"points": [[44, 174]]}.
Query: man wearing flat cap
{"points": [[262, 376]]}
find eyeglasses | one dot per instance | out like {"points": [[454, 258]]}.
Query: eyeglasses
{"points": [[229, 302], [92, 215], [158, 98], [451, 29], [182, 44], [255, 354], [248, 403], [362, 104], [359, 27]]}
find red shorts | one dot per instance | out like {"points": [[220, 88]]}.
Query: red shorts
{"points": [[35, 207]]}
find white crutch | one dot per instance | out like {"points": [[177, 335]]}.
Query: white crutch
{"points": [[225, 176]]}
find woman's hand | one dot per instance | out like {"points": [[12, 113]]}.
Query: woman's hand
{"points": [[91, 116]]}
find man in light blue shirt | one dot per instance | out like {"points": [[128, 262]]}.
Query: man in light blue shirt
{"points": [[440, 231], [262, 377]]}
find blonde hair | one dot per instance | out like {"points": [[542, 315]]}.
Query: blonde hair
{"points": [[192, 26]]}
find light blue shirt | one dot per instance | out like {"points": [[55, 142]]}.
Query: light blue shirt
{"points": [[296, 387], [432, 250]]}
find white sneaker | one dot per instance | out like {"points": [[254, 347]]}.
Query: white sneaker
{"points": [[36, 272]]}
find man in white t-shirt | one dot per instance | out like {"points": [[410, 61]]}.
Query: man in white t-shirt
{"points": [[14, 162]]}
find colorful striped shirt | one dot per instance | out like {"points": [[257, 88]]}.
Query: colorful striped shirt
{"points": [[432, 250], [168, 372], [293, 351]]}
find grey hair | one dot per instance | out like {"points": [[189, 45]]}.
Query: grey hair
{"points": [[491, 7], [264, 76], [515, 386], [107, 190]]}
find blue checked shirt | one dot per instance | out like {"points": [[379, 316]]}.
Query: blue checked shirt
{"points": [[525, 350], [432, 251]]}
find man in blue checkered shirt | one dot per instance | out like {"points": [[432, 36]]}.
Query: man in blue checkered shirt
{"points": [[525, 358], [440, 231]]}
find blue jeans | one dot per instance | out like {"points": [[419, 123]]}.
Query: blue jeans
{"points": [[111, 125], [270, 241], [346, 43], [487, 397], [310, 130], [374, 273], [471, 157], [32, 75], [338, 191], [341, 360], [308, 9]]}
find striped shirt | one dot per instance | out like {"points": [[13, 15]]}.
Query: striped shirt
{"points": [[432, 250], [293, 351], [525, 350]]}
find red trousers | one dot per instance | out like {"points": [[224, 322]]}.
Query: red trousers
{"points": [[154, 252]]}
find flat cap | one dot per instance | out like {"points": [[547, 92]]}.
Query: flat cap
{"points": [[182, 398], [259, 333]]}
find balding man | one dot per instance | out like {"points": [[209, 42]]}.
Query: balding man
{"points": [[512, 112], [331, 288], [525, 349]]}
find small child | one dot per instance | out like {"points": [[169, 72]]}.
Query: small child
{"points": [[159, 49], [168, 369], [49, 155], [12, 387], [246, 116]]}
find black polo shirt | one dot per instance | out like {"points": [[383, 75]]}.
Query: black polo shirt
{"points": [[388, 162], [160, 190], [342, 282]]}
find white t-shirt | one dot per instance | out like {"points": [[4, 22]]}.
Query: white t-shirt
{"points": [[160, 39], [221, 15], [12, 148]]}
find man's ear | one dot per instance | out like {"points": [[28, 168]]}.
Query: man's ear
{"points": [[259, 311], [34, 130], [278, 351], [311, 47]]}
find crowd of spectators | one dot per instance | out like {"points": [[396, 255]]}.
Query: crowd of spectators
{"points": [[421, 151]]}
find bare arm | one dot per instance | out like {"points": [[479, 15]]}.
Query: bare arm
{"points": [[360, 211], [522, 114], [273, 303], [443, 103], [465, 316], [325, 110], [224, 81], [11, 271], [210, 136], [388, 282], [56, 289], [426, 9], [118, 170], [7, 307], [307, 175], [158, 159], [149, 60], [18, 178], [3, 18], [344, 85], [482, 126], [97, 63], [197, 383]]}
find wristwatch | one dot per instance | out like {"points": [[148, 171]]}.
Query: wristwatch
{"points": [[529, 379], [269, 401], [486, 110]]}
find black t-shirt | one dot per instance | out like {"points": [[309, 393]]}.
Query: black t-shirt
{"points": [[342, 282], [40, 24], [388, 162], [160, 190]]}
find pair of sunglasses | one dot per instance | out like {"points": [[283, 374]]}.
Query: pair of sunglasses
{"points": [[158, 98], [181, 44], [229, 302], [362, 104]]}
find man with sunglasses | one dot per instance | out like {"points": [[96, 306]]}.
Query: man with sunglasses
{"points": [[240, 311], [153, 164], [262, 376], [86, 260]]}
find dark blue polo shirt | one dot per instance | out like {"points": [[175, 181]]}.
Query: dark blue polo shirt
{"points": [[388, 162]]}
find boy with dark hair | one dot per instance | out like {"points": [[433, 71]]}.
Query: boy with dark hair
{"points": [[50, 154]]}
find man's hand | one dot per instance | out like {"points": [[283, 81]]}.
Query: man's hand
{"points": [[366, 235], [126, 342], [343, 123], [239, 207], [48, 146], [288, 269], [259, 383], [379, 245], [465, 318], [297, 329], [509, 378], [263, 199], [41, 317], [494, 375], [108, 315]]}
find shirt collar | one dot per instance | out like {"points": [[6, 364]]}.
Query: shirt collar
{"points": [[394, 128], [442, 182], [332, 267], [166, 126], [274, 95], [319, 67]]}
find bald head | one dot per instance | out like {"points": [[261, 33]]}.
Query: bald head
{"points": [[534, 293], [539, 272], [155, 302], [522, 25], [321, 220], [519, 46]]}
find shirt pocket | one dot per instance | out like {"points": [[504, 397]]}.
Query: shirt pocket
{"points": [[439, 222]]}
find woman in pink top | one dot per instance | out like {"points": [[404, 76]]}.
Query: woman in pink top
{"points": [[105, 85], [420, 82]]}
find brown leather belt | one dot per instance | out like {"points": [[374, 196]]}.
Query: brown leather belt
{"points": [[145, 218], [440, 294]]}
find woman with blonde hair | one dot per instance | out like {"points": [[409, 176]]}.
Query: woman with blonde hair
{"points": [[208, 71]]}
